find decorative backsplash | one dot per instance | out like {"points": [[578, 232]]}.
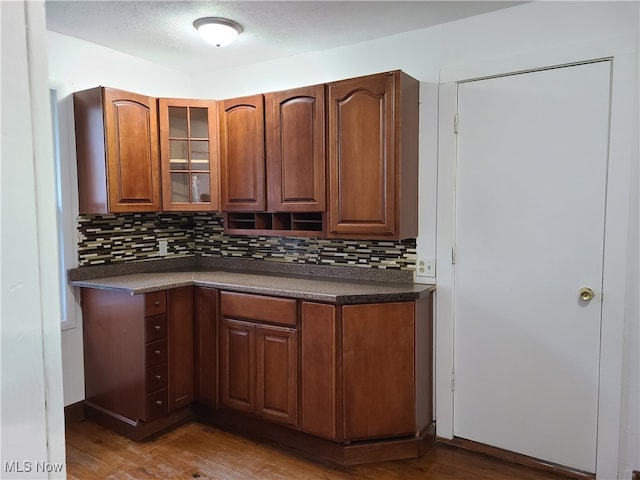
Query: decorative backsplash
{"points": [[107, 239]]}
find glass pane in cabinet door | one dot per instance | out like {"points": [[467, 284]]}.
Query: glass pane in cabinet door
{"points": [[179, 155], [199, 155], [199, 122], [200, 191], [178, 122], [180, 187]]}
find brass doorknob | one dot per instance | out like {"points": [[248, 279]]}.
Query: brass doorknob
{"points": [[586, 294]]}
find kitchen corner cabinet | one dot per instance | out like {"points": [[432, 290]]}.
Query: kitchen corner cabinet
{"points": [[259, 357], [366, 370], [137, 351], [189, 154], [373, 157], [117, 151], [242, 154]]}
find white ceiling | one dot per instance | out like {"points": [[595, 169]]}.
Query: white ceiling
{"points": [[163, 32]]}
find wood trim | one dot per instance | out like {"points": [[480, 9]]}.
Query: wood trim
{"points": [[635, 475], [517, 458], [74, 413], [356, 453], [136, 430]]}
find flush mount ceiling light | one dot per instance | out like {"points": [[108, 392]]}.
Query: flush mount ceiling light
{"points": [[217, 31]]}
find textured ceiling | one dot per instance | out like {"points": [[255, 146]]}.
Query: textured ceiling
{"points": [[162, 31]]}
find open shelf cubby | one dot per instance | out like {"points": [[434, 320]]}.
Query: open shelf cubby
{"points": [[301, 224]]}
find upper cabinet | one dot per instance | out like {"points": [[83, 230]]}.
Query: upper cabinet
{"points": [[373, 157], [295, 162], [272, 157], [117, 151], [189, 154], [242, 154]]}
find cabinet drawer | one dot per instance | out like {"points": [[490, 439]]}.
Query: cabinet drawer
{"points": [[157, 404], [155, 303], [257, 307], [156, 352], [156, 378], [155, 328]]}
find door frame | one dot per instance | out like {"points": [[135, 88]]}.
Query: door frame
{"points": [[623, 53]]}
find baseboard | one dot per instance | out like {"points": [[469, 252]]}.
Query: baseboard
{"points": [[74, 413], [517, 458], [355, 453]]}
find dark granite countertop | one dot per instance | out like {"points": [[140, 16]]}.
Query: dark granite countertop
{"points": [[332, 289]]}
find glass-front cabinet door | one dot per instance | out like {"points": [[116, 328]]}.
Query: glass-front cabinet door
{"points": [[189, 154]]}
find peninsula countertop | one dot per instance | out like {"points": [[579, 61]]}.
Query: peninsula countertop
{"points": [[315, 288]]}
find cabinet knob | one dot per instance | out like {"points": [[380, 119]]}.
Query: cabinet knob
{"points": [[158, 327], [158, 352], [158, 377], [159, 403], [157, 303]]}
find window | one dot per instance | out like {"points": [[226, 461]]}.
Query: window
{"points": [[65, 212]]}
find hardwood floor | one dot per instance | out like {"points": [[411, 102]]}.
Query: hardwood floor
{"points": [[197, 451]]}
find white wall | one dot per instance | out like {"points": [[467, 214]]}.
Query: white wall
{"points": [[423, 54], [31, 406]]}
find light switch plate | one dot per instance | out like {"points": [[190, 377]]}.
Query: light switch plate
{"points": [[425, 267]]}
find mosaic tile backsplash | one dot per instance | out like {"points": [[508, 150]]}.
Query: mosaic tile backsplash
{"points": [[108, 239]]}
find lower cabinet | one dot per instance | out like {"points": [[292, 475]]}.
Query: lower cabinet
{"points": [[138, 358], [259, 361], [349, 383], [366, 370], [206, 346]]}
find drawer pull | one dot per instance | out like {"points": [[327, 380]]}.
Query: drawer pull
{"points": [[159, 403], [158, 377], [158, 352], [157, 303], [158, 327]]}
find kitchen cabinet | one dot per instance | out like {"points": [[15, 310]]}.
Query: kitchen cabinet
{"points": [[117, 151], [273, 163], [206, 346], [138, 353], [189, 154], [258, 359], [366, 370], [295, 150], [242, 154], [181, 346], [319, 370], [378, 370], [373, 157]]}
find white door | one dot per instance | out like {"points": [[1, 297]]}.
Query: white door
{"points": [[530, 197]]}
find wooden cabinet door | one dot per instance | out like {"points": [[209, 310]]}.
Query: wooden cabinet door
{"points": [[131, 125], [372, 167], [276, 374], [318, 363], [180, 345], [206, 346], [117, 151], [242, 154], [189, 154], [378, 370], [295, 150], [237, 364]]}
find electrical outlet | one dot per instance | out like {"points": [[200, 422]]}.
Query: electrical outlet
{"points": [[425, 267], [162, 247]]}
